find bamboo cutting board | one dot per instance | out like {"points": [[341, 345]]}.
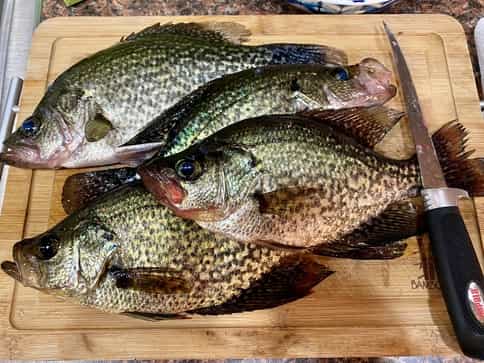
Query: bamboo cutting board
{"points": [[367, 308]]}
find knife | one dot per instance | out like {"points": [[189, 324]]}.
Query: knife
{"points": [[458, 269]]}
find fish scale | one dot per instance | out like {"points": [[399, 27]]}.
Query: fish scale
{"points": [[129, 213], [256, 92], [132, 82], [287, 179], [146, 234]]}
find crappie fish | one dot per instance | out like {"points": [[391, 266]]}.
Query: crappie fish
{"points": [[296, 181], [250, 93], [104, 100], [255, 92], [128, 254]]}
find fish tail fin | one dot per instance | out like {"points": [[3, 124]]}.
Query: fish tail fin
{"points": [[79, 189], [306, 54], [292, 279], [460, 170]]}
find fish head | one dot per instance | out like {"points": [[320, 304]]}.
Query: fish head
{"points": [[48, 137], [42, 262], [375, 78], [365, 84], [203, 183], [62, 261]]}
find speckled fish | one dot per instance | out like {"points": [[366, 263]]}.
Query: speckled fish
{"points": [[250, 93], [104, 100], [295, 181], [128, 254]]}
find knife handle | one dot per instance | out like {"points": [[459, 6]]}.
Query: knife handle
{"points": [[460, 277]]}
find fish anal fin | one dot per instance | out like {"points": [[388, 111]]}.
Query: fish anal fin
{"points": [[387, 252], [211, 31], [368, 125], [292, 279], [382, 236], [154, 316], [151, 280]]}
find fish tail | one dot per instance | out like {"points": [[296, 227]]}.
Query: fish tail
{"points": [[290, 280], [80, 189], [306, 54], [460, 170]]}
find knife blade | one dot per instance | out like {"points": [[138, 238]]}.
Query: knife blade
{"points": [[460, 274]]}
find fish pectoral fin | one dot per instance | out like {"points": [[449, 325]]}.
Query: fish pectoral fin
{"points": [[133, 155], [280, 202], [293, 278], [151, 280], [382, 237], [97, 128], [154, 316], [210, 31], [368, 125], [304, 102]]}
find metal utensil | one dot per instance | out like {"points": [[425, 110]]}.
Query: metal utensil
{"points": [[460, 275]]}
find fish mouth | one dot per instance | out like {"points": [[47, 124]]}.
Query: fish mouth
{"points": [[28, 157], [163, 186], [170, 193], [374, 79], [12, 270], [21, 155]]}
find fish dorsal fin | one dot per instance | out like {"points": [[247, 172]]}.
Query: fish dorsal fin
{"points": [[210, 31], [151, 279], [368, 125], [290, 280], [382, 236]]}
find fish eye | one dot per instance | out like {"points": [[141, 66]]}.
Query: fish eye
{"points": [[47, 247], [30, 126], [295, 86], [188, 169], [341, 74]]}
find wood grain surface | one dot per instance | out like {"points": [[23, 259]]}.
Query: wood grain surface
{"points": [[367, 308]]}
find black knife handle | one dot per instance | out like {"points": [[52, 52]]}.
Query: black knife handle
{"points": [[460, 277]]}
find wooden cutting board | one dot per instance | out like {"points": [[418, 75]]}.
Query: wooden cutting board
{"points": [[367, 308]]}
